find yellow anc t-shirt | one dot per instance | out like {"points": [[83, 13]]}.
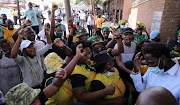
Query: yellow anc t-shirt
{"points": [[112, 79], [8, 34], [74, 37], [99, 22], [14, 13]]}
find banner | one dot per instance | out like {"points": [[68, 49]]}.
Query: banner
{"points": [[7, 1]]}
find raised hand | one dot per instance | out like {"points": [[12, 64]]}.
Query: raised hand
{"points": [[21, 34], [79, 52], [137, 62], [28, 23], [61, 74], [54, 8], [58, 42], [115, 32], [109, 90], [46, 30]]}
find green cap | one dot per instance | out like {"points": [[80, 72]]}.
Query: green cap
{"points": [[77, 21], [81, 31], [21, 94], [96, 39], [178, 32]]}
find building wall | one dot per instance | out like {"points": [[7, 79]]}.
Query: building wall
{"points": [[126, 9], [170, 20]]}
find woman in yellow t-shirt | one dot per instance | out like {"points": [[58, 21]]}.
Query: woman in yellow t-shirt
{"points": [[106, 75]]}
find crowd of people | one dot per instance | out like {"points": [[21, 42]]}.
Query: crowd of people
{"points": [[44, 66]]}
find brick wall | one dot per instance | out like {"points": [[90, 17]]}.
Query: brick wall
{"points": [[126, 9], [170, 20]]}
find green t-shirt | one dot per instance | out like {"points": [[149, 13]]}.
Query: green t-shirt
{"points": [[2, 32], [138, 38], [31, 15]]}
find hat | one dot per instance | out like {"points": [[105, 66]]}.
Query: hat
{"points": [[178, 32], [53, 62], [143, 25], [96, 39], [77, 21], [122, 21], [24, 44], [21, 94], [81, 31], [105, 28], [139, 22], [127, 30], [58, 17], [154, 34], [102, 57]]}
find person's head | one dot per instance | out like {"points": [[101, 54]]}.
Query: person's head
{"points": [[27, 48], [82, 34], [127, 36], [58, 31], [47, 25], [157, 57], [58, 19], [10, 24], [99, 16], [106, 32], [155, 36], [122, 23], [77, 15], [97, 44], [22, 94], [104, 63], [5, 45], [69, 28], [177, 46], [156, 96], [141, 45], [30, 5], [29, 33], [77, 22], [4, 18], [36, 7], [86, 50], [14, 9], [53, 63]]}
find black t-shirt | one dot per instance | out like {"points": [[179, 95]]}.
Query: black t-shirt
{"points": [[78, 81]]}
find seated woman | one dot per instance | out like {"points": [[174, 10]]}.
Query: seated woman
{"points": [[106, 75]]}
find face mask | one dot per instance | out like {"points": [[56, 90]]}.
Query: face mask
{"points": [[59, 34], [36, 8], [156, 69], [110, 73], [122, 26]]}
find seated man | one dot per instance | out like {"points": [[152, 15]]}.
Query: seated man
{"points": [[156, 96]]}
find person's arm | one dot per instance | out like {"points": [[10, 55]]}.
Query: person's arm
{"points": [[121, 65], [44, 49], [139, 82], [93, 23], [120, 49], [15, 50], [110, 43], [66, 49], [25, 24], [54, 8], [70, 38], [83, 96], [62, 75], [147, 33]]}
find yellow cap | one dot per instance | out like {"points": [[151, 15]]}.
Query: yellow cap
{"points": [[53, 62]]}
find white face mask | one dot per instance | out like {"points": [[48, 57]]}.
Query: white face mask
{"points": [[156, 69], [122, 26], [36, 8], [110, 73]]}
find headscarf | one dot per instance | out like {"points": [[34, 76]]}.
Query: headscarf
{"points": [[122, 21], [105, 28]]}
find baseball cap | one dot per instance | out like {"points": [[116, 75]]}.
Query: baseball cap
{"points": [[24, 44]]}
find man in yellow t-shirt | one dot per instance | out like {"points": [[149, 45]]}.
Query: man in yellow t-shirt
{"points": [[99, 22], [15, 16], [9, 31]]}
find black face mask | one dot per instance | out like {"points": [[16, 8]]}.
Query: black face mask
{"points": [[78, 24]]}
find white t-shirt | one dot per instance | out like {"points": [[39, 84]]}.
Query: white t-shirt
{"points": [[42, 35], [83, 16], [89, 20], [128, 53], [32, 16]]}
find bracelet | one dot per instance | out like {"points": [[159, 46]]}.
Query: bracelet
{"points": [[136, 72], [120, 37]]}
